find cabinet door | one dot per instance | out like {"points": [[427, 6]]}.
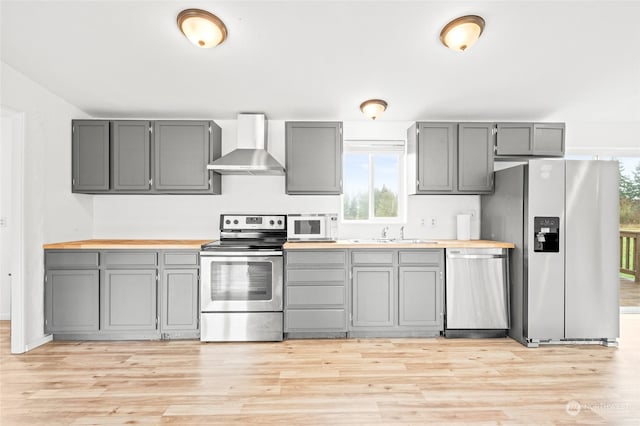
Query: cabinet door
{"points": [[420, 296], [90, 156], [548, 139], [373, 297], [72, 300], [314, 157], [475, 157], [180, 299], [436, 153], [514, 139], [130, 143], [128, 300], [181, 154]]}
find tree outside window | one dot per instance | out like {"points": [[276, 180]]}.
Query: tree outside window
{"points": [[373, 181]]}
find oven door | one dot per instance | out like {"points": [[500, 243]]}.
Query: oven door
{"points": [[241, 281]]}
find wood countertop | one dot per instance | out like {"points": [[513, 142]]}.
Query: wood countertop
{"points": [[128, 244], [365, 243]]}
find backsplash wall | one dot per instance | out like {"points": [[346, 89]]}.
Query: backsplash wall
{"points": [[197, 216]]}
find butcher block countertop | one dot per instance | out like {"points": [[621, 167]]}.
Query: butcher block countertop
{"points": [[128, 244], [394, 244]]}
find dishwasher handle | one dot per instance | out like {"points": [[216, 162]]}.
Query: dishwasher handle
{"points": [[476, 256]]}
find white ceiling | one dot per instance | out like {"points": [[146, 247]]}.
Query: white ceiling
{"points": [[537, 60]]}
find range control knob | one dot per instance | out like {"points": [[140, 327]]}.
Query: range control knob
{"points": [[235, 222], [271, 222], [279, 222], [228, 222]]}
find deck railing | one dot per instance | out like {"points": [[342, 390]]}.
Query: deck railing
{"points": [[630, 253]]}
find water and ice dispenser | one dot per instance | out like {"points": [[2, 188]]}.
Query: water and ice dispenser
{"points": [[546, 234]]}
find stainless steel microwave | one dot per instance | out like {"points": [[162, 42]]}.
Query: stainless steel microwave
{"points": [[312, 227]]}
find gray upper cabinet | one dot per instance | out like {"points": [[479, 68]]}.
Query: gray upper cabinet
{"points": [[475, 157], [450, 158], [182, 150], [90, 156], [130, 146], [145, 157], [548, 139], [530, 139], [313, 158]]}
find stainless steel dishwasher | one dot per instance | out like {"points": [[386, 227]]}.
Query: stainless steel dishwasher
{"points": [[477, 293]]}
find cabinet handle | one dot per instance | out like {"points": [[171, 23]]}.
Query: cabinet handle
{"points": [[150, 182]]}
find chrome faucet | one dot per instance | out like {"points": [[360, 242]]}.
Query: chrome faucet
{"points": [[385, 231], [402, 232]]}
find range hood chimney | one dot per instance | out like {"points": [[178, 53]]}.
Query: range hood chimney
{"points": [[250, 156]]}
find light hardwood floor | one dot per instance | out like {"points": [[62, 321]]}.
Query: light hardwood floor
{"points": [[629, 292], [360, 381]]}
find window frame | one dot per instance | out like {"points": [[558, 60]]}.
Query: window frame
{"points": [[373, 147]]}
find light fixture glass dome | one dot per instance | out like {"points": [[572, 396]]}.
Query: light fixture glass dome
{"points": [[462, 33], [373, 108], [202, 28]]}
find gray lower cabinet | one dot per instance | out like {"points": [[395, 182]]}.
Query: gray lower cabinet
{"points": [[145, 157], [530, 139], [374, 298], [72, 301], [179, 302], [121, 294], [71, 292], [397, 292], [128, 302], [313, 158], [315, 293], [450, 158]]}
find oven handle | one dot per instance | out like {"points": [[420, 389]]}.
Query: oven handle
{"points": [[240, 253]]}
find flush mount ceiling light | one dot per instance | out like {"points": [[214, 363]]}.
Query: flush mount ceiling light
{"points": [[461, 33], [373, 108], [202, 28]]}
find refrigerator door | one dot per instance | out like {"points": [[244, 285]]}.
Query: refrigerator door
{"points": [[544, 291], [592, 250]]}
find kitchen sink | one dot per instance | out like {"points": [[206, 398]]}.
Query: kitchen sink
{"points": [[391, 241]]}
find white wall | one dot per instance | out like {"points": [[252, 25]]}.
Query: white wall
{"points": [[6, 139], [197, 216], [51, 212]]}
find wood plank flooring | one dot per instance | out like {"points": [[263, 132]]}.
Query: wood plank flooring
{"points": [[629, 293], [310, 382]]}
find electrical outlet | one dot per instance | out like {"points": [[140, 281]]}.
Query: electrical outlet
{"points": [[433, 221], [422, 222]]}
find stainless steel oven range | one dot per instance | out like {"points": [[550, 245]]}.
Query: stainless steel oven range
{"points": [[241, 282]]}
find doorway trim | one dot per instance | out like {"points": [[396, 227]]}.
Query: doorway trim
{"points": [[16, 236]]}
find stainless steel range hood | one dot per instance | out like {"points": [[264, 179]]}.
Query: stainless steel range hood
{"points": [[251, 156]]}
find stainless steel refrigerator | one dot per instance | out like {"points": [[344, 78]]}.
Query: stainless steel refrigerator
{"points": [[563, 217]]}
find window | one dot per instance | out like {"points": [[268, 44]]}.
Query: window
{"points": [[373, 181]]}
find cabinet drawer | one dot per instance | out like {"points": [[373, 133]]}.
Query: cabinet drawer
{"points": [[315, 295], [315, 319], [129, 258], [316, 275], [177, 258], [78, 259], [420, 257], [319, 257], [372, 257]]}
